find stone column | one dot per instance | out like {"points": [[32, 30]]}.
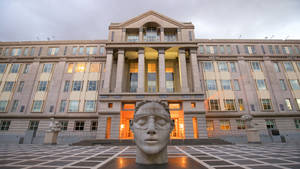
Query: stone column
{"points": [[183, 71], [123, 34], [108, 69], [162, 34], [195, 70], [162, 70], [141, 34], [179, 36], [120, 71], [141, 71]]}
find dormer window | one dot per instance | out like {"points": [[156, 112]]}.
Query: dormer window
{"points": [[151, 34]]}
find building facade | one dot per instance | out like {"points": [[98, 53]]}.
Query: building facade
{"points": [[93, 86]]}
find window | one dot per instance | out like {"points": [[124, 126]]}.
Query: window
{"points": [[222, 66], [229, 104], [211, 85], [151, 77], [2, 68], [26, 68], [22, 108], [3, 105], [294, 84], [92, 86], [128, 106], [40, 51], [214, 105], [16, 52], [277, 50], [74, 50], [250, 49], [62, 107], [209, 125], [91, 50], [298, 65], [42, 86], [110, 105], [270, 47], [32, 51], [51, 108], [64, 125], [76, 85], [73, 106], [260, 83], [21, 85], [4, 125], [236, 84], [232, 67], [112, 36], [297, 49], [8, 86], [1, 51], [193, 104], [222, 49], [252, 107], [94, 125], [81, 49], [190, 35], [226, 85], [298, 103], [263, 49], [281, 106], [276, 67], [37, 106], [6, 52], [211, 50], [95, 67], [135, 37], [266, 104], [224, 124], [241, 125], [229, 51], [241, 105], [102, 50], [255, 66], [14, 106], [201, 49], [67, 86], [79, 126], [288, 104], [170, 77], [133, 75], [208, 66], [70, 67], [89, 106], [53, 51], [65, 51], [287, 50], [288, 66], [297, 123], [33, 125], [15, 68], [80, 67], [282, 84], [47, 67], [270, 123]]}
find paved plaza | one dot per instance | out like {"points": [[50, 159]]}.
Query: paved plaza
{"points": [[212, 156]]}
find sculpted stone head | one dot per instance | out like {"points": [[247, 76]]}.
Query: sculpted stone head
{"points": [[152, 126]]}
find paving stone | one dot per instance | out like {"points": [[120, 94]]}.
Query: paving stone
{"points": [[264, 167], [245, 162], [7, 161], [57, 163], [85, 164], [274, 161], [30, 162], [217, 162]]}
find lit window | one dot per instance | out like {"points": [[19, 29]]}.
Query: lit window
{"points": [[53, 51], [2, 68], [62, 107], [241, 105], [4, 125], [80, 67], [282, 84], [209, 125], [288, 104], [110, 105], [226, 85], [91, 50], [266, 104], [193, 104], [174, 106], [95, 67], [8, 86], [37, 106], [255, 66], [73, 106], [33, 125], [211, 85], [47, 67], [298, 103], [241, 125], [261, 84], [223, 66], [297, 123], [79, 126], [76, 85], [14, 106], [64, 125], [224, 124], [294, 84], [236, 84], [70, 67], [270, 124], [42, 86], [276, 67], [288, 66], [92, 85], [129, 106], [208, 66], [229, 104], [15, 68], [94, 125], [16, 52], [21, 85], [214, 105], [89, 106], [3, 105]]}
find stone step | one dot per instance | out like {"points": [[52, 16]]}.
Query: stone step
{"points": [[208, 141]]}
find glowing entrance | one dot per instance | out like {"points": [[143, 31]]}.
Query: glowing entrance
{"points": [[126, 115], [178, 117]]}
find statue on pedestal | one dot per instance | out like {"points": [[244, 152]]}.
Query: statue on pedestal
{"points": [[52, 133], [152, 125]]}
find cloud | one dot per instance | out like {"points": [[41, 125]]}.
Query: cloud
{"points": [[89, 19]]}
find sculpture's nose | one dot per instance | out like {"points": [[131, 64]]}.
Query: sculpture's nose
{"points": [[151, 127]]}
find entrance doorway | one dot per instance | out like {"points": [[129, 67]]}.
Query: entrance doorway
{"points": [[125, 117], [178, 116]]}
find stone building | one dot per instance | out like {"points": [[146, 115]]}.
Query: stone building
{"points": [[93, 86]]}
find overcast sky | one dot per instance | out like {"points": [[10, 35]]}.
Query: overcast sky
{"points": [[89, 19]]}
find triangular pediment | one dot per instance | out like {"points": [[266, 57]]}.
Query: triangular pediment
{"points": [[151, 16]]}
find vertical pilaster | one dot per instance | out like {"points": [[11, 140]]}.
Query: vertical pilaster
{"points": [[162, 34], [108, 69], [183, 71], [141, 71], [120, 69], [141, 34], [123, 34], [195, 70], [179, 36], [162, 70]]}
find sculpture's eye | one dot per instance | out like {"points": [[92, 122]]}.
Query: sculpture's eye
{"points": [[141, 121], [161, 121]]}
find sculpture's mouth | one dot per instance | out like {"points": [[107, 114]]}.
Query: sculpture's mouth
{"points": [[151, 141]]}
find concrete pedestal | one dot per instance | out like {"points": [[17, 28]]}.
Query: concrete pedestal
{"points": [[51, 137], [253, 136]]}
